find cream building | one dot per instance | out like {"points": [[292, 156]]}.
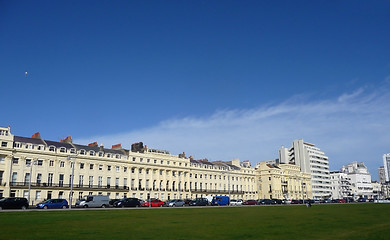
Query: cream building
{"points": [[283, 181], [40, 169]]}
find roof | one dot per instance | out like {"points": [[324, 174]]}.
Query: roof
{"points": [[37, 141]]}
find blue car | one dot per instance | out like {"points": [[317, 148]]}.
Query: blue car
{"points": [[53, 203]]}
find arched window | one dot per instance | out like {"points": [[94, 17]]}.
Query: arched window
{"points": [[52, 149]]}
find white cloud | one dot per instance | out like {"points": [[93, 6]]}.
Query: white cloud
{"points": [[352, 127]]}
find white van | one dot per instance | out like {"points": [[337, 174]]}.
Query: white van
{"points": [[95, 201]]}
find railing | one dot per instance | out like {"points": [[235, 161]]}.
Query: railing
{"points": [[67, 186], [216, 191]]}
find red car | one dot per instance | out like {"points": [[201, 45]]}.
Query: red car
{"points": [[341, 201], [153, 203], [250, 202]]}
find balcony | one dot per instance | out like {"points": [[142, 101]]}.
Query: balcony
{"points": [[62, 186]]}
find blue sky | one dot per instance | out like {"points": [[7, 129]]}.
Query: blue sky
{"points": [[215, 79]]}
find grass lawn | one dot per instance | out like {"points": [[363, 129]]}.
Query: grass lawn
{"points": [[330, 221]]}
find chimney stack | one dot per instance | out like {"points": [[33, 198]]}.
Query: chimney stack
{"points": [[36, 135], [94, 144]]}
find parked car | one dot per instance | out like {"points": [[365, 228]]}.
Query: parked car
{"points": [[326, 201], [95, 201], [287, 201], [249, 202], [265, 202], [187, 201], [175, 203], [277, 201], [294, 201], [361, 199], [127, 202], [13, 203], [199, 202], [341, 201], [153, 203], [234, 202], [53, 203]]}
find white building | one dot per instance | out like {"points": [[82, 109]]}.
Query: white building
{"points": [[360, 179], [381, 174], [311, 160], [340, 184], [386, 164]]}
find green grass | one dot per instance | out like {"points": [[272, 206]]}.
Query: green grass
{"points": [[338, 221]]}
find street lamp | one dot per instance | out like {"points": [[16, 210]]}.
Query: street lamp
{"points": [[70, 157], [29, 181]]}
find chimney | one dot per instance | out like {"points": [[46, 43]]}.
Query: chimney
{"points": [[94, 144], [68, 139], [117, 146], [36, 135]]}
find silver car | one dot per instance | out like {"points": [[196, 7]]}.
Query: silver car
{"points": [[176, 203]]}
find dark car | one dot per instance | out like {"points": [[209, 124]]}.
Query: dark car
{"points": [[199, 202], [294, 201], [13, 203], [53, 203], [127, 202], [249, 202], [361, 199], [277, 201], [265, 202]]}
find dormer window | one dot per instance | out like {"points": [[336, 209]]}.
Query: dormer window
{"points": [[72, 150], [108, 155], [62, 149], [117, 156], [17, 145], [91, 153], [101, 154], [82, 152], [52, 149]]}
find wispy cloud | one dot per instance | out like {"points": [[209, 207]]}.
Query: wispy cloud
{"points": [[352, 127]]}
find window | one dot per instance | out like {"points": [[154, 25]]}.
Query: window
{"points": [[148, 160], [147, 171], [108, 168], [40, 147], [133, 170], [52, 149], [108, 155], [26, 178], [37, 195], [124, 182], [28, 162], [62, 149], [101, 154], [117, 156], [50, 179], [72, 150], [117, 168], [133, 159], [17, 145], [140, 170], [62, 164], [100, 181], [124, 169], [90, 184], [141, 159], [155, 161], [100, 167], [91, 166], [91, 153], [108, 182], [51, 163], [2, 159], [61, 180], [82, 152], [81, 180], [4, 144], [15, 160], [81, 165]]}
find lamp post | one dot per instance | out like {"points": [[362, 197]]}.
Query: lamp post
{"points": [[29, 181], [70, 157]]}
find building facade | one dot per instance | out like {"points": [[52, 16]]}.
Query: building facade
{"points": [[381, 174], [341, 185], [360, 179], [41, 169], [311, 160], [386, 165], [283, 181]]}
